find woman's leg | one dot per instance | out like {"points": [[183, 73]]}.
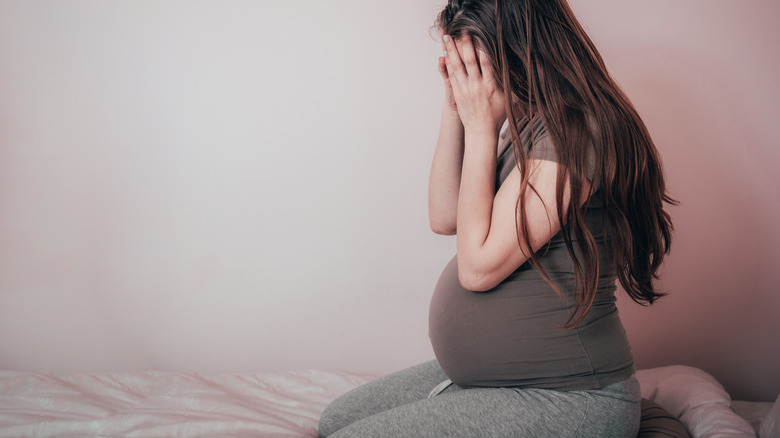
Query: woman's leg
{"points": [[501, 412], [388, 392], [614, 410]]}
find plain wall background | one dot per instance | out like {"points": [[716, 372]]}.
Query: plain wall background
{"points": [[235, 186]]}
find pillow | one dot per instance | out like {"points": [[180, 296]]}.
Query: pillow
{"points": [[752, 412], [657, 423], [770, 427], [696, 398]]}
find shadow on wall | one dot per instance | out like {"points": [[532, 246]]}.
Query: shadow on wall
{"points": [[720, 314]]}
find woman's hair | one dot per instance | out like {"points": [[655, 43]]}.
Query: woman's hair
{"points": [[548, 67]]}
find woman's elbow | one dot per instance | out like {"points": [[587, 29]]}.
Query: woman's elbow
{"points": [[474, 282], [445, 228]]}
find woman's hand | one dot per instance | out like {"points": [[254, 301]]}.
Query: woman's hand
{"points": [[450, 107], [469, 74]]}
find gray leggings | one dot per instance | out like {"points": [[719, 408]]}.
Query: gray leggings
{"points": [[399, 405]]}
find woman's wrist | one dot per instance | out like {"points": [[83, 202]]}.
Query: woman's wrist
{"points": [[480, 136], [449, 113], [451, 126]]}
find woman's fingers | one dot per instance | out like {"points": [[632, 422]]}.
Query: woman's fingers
{"points": [[485, 66], [443, 61], [443, 68], [470, 74], [455, 68], [468, 56], [461, 59]]}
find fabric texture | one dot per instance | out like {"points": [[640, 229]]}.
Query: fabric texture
{"points": [[155, 403], [696, 398], [770, 427], [657, 423], [399, 405]]}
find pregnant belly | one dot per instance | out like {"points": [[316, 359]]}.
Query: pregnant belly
{"points": [[508, 336]]}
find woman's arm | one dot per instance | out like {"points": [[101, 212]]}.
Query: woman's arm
{"points": [[488, 245], [444, 181]]}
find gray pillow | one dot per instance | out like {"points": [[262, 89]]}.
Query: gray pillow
{"points": [[657, 423]]}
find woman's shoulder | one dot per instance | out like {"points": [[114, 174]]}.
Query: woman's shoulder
{"points": [[527, 128], [543, 145]]}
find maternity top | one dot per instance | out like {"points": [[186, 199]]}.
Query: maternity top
{"points": [[512, 335]]}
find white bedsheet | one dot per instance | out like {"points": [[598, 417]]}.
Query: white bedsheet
{"points": [[282, 404], [163, 404]]}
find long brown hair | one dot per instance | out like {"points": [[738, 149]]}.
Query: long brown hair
{"points": [[548, 67]]}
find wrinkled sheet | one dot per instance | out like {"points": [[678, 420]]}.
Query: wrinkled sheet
{"points": [[280, 404], [164, 404], [696, 398]]}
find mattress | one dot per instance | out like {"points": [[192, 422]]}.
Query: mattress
{"points": [[285, 404], [166, 404]]}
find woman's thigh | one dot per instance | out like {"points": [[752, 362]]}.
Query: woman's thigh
{"points": [[380, 395], [506, 412]]}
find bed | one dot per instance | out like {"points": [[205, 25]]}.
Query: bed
{"points": [[288, 404]]}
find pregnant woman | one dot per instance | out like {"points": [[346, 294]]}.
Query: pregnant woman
{"points": [[549, 179]]}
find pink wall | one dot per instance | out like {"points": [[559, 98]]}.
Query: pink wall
{"points": [[195, 186], [704, 75]]}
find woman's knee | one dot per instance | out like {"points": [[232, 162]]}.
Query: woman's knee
{"points": [[379, 395], [345, 410], [331, 420]]}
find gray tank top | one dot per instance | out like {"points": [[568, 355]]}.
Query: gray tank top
{"points": [[511, 335]]}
